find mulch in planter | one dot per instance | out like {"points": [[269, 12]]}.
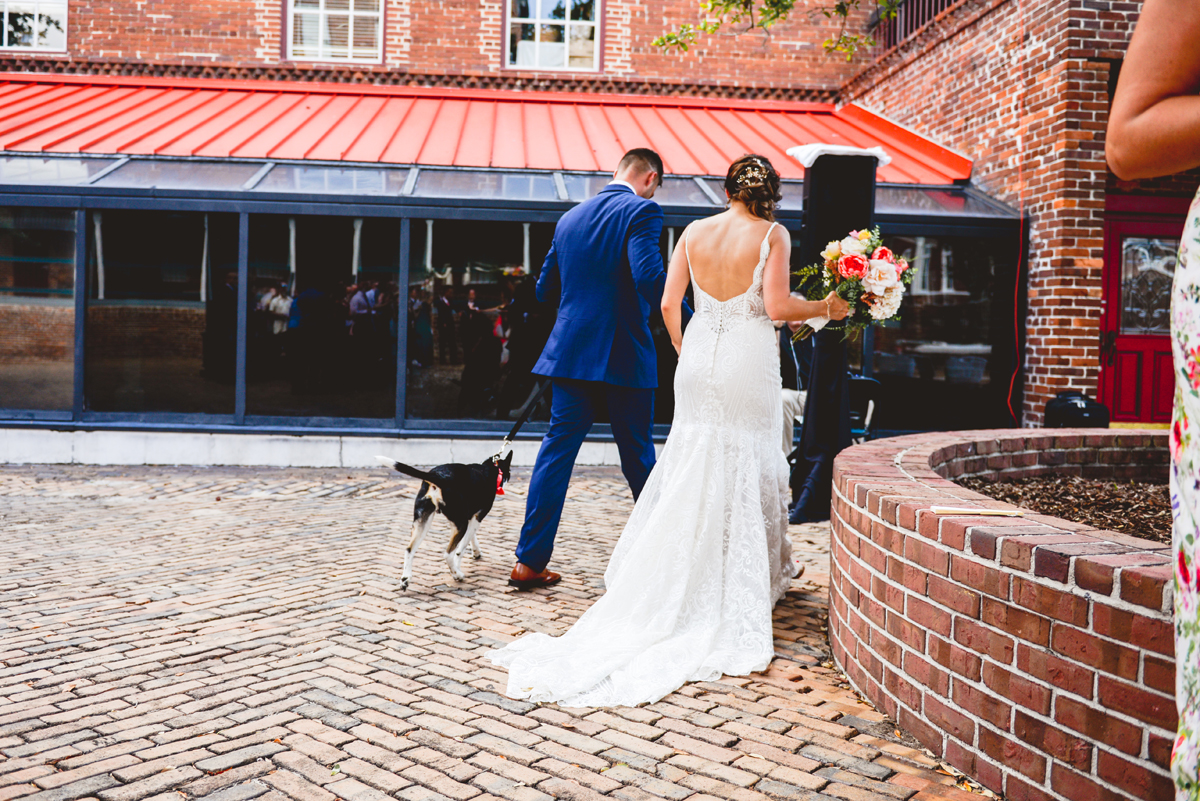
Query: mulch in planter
{"points": [[1143, 510]]}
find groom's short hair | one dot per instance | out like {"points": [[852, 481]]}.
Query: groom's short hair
{"points": [[642, 159]]}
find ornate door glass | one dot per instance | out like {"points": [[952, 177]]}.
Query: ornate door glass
{"points": [[1147, 271]]}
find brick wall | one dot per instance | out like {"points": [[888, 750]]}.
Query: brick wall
{"points": [[34, 333], [1023, 89], [445, 41], [145, 331], [1033, 654]]}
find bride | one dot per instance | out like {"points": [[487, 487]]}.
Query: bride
{"points": [[705, 554]]}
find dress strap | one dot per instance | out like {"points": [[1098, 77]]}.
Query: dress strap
{"points": [[686, 255], [765, 247], [763, 251]]}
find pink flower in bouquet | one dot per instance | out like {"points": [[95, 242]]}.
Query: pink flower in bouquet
{"points": [[852, 265], [884, 254], [901, 265]]}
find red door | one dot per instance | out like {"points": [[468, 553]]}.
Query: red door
{"points": [[1137, 381]]}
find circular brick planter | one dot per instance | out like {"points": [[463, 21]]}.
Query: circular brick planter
{"points": [[1034, 654]]}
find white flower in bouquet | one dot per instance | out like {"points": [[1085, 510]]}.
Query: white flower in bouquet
{"points": [[888, 302], [881, 276], [832, 251], [853, 246]]}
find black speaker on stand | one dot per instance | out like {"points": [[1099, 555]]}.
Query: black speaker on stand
{"points": [[839, 196]]}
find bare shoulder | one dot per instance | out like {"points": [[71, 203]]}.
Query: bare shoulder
{"points": [[780, 236]]}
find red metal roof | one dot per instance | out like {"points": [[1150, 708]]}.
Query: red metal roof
{"points": [[438, 127]]}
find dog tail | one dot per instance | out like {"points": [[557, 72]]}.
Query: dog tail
{"points": [[408, 470]]}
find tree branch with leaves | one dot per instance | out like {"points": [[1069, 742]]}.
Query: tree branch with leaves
{"points": [[747, 16]]}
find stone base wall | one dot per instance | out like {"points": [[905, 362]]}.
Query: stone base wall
{"points": [[1034, 654]]}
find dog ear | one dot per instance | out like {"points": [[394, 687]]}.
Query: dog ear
{"points": [[507, 460]]}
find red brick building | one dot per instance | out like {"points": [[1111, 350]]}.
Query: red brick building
{"points": [[1024, 89], [1021, 89]]}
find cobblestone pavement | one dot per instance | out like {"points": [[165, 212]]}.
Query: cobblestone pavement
{"points": [[227, 634]]}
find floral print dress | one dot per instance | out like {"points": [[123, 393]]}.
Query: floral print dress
{"points": [[1185, 504]]}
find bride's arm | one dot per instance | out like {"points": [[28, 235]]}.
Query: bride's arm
{"points": [[780, 302], [673, 292]]}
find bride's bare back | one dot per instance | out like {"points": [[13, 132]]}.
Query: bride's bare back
{"points": [[724, 250]]}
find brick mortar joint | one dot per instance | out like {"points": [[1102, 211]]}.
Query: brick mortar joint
{"points": [[984, 659], [1089, 597], [982, 687], [1141, 761], [1112, 600]]}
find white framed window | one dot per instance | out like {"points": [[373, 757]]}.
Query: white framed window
{"points": [[335, 30], [35, 25], [554, 35]]}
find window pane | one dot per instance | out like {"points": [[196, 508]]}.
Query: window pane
{"points": [[337, 5], [333, 180], [552, 9], [682, 192], [948, 362], [313, 4], [1147, 273], [519, 8], [321, 340], [37, 309], [21, 24], [583, 10], [468, 358], [155, 341], [366, 5], [552, 49], [583, 47], [336, 41], [26, 171], [306, 35], [366, 32], [52, 27], [210, 175], [581, 187], [467, 183], [521, 47]]}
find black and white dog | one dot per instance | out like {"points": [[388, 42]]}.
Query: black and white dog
{"points": [[464, 493]]}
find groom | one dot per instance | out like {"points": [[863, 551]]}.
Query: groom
{"points": [[605, 270]]}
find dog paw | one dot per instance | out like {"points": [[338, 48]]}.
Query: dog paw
{"points": [[459, 576], [403, 584], [477, 555]]}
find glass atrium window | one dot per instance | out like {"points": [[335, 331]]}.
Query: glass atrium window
{"points": [[37, 309]]}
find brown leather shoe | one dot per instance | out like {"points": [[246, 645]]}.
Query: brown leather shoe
{"points": [[523, 578]]}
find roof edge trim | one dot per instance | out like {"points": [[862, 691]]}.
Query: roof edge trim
{"points": [[371, 90]]}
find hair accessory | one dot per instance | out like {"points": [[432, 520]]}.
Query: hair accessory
{"points": [[752, 176]]}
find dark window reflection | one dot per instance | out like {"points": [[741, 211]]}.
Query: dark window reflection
{"points": [[475, 328], [949, 362], [37, 308], [321, 339], [162, 312]]}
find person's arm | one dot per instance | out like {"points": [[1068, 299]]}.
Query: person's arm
{"points": [[1154, 123], [780, 302], [674, 291], [645, 258], [549, 283]]}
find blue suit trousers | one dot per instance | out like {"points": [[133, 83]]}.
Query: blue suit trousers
{"points": [[572, 412]]}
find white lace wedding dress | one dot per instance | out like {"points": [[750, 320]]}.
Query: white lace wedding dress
{"points": [[705, 554]]}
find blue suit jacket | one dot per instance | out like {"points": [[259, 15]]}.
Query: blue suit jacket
{"points": [[606, 272]]}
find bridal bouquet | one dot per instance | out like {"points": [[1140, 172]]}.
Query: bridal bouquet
{"points": [[862, 272]]}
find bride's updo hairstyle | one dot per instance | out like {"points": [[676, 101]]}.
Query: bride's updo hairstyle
{"points": [[752, 180]]}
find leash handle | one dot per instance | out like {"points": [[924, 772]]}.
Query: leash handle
{"points": [[521, 421]]}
